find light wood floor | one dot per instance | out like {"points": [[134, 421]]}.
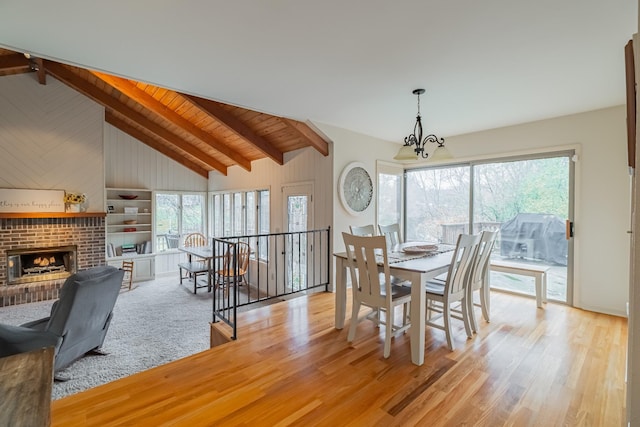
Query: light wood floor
{"points": [[528, 367]]}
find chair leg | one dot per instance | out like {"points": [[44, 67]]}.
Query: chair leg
{"points": [[354, 321], [388, 331], [466, 316], [446, 316], [472, 313], [485, 301]]}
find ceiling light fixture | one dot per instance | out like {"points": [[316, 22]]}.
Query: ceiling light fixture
{"points": [[414, 144]]}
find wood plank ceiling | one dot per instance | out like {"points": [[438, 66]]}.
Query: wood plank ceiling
{"points": [[201, 134]]}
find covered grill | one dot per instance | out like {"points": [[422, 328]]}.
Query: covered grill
{"points": [[536, 237]]}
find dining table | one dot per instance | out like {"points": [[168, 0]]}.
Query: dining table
{"points": [[405, 263], [203, 252]]}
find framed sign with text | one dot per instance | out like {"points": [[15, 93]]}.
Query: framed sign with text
{"points": [[22, 200]]}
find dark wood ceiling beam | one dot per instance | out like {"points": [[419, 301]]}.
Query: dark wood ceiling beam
{"points": [[232, 123], [16, 62], [315, 140], [125, 127], [132, 91], [171, 138], [74, 81]]}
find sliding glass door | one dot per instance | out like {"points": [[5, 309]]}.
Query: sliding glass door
{"points": [[529, 200], [437, 204]]}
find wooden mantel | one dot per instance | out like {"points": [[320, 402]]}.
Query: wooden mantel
{"points": [[52, 215]]}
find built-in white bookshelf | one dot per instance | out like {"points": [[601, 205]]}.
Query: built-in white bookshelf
{"points": [[129, 233]]}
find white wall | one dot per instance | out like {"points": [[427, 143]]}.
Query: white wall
{"points": [[354, 147], [50, 138], [300, 166], [132, 164], [44, 130], [602, 200]]}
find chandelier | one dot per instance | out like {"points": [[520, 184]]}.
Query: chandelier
{"points": [[414, 144]]}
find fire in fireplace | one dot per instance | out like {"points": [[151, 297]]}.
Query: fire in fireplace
{"points": [[37, 264]]}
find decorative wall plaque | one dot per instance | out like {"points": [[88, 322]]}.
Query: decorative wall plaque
{"points": [[21, 200]]}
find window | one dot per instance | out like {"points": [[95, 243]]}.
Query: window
{"points": [[437, 204], [178, 214], [528, 199], [390, 186], [240, 213]]}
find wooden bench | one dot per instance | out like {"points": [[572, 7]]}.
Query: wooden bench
{"points": [[538, 272], [193, 269]]}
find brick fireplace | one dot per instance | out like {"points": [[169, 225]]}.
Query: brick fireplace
{"points": [[85, 232]]}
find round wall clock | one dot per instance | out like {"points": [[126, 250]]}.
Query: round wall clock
{"points": [[355, 188]]}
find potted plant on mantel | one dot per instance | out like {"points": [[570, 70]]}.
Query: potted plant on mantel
{"points": [[75, 202]]}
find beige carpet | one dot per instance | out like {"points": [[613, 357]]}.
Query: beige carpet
{"points": [[154, 323]]}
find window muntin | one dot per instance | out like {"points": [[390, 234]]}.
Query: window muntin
{"points": [[178, 214], [242, 213]]}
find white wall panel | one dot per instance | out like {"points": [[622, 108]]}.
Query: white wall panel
{"points": [[602, 202], [354, 147], [602, 189], [132, 164], [50, 138], [305, 165]]}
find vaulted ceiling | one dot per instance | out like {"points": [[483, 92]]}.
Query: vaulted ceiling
{"points": [[201, 134]]}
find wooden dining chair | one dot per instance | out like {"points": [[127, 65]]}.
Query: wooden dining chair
{"points": [[392, 233], [195, 239], [364, 230], [455, 289], [193, 268], [127, 280], [372, 289], [235, 266], [479, 278]]}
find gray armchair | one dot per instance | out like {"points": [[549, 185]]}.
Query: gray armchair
{"points": [[79, 318]]}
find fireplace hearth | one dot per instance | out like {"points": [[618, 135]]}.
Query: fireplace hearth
{"points": [[45, 243], [26, 265]]}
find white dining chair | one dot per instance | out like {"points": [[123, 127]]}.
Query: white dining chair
{"points": [[364, 230], [372, 289], [392, 233], [455, 289], [479, 278]]}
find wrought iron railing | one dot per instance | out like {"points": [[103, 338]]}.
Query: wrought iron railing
{"points": [[255, 269]]}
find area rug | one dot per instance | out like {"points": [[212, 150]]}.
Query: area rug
{"points": [[156, 322]]}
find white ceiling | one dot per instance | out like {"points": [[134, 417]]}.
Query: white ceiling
{"points": [[350, 63]]}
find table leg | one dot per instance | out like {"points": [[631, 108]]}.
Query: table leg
{"points": [[539, 279], [418, 313], [341, 291]]}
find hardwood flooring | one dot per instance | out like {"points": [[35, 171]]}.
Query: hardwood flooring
{"points": [[290, 366]]}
